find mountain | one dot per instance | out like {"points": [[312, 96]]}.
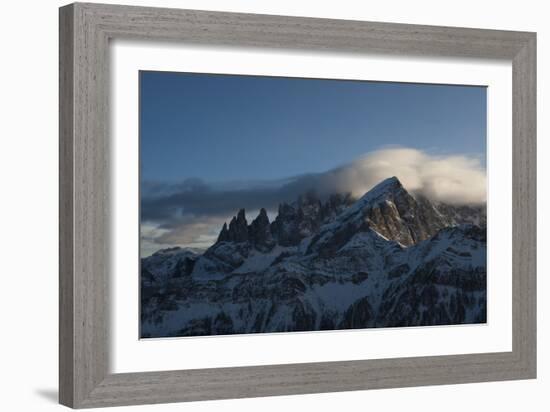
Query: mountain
{"points": [[168, 263], [389, 258]]}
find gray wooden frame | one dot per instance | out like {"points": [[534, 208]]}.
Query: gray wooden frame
{"points": [[85, 31]]}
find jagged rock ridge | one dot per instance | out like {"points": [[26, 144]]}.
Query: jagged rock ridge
{"points": [[387, 259]]}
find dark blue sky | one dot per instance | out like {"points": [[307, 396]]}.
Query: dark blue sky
{"points": [[223, 128]]}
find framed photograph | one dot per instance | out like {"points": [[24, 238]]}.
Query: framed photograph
{"points": [[256, 205]]}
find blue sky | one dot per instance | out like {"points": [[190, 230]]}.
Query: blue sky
{"points": [[221, 127], [211, 144]]}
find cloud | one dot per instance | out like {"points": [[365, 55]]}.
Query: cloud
{"points": [[191, 230], [169, 203], [192, 211], [456, 179], [199, 233]]}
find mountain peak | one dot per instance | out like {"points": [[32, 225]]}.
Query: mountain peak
{"points": [[387, 209], [241, 216], [259, 232], [386, 189], [393, 180], [237, 230], [224, 234], [389, 185], [396, 214]]}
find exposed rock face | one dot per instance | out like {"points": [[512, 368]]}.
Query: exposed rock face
{"points": [[388, 209], [238, 228], [297, 221], [400, 218], [387, 259], [224, 234], [465, 214], [294, 222], [259, 232]]}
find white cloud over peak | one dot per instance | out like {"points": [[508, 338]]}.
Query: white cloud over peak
{"points": [[456, 179]]}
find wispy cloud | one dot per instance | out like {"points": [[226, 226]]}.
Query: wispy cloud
{"points": [[455, 179], [192, 211]]}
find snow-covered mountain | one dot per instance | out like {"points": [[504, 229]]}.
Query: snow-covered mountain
{"points": [[388, 259]]}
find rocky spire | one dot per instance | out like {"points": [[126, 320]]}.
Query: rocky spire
{"points": [[224, 234], [238, 228], [259, 232]]}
